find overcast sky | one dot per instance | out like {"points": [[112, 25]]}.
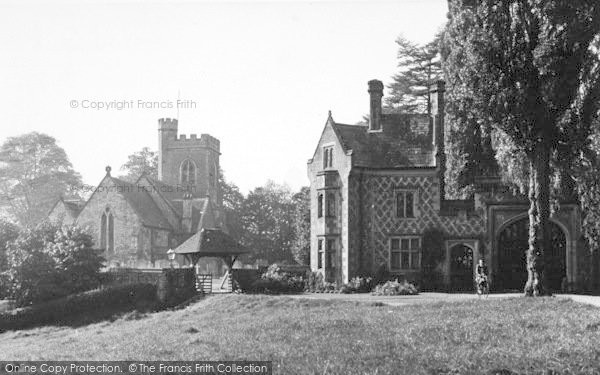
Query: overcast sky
{"points": [[261, 75]]}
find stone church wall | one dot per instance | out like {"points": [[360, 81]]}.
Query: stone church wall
{"points": [[127, 226]]}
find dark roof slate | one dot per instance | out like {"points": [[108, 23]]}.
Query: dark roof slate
{"points": [[402, 143], [211, 242], [141, 201]]}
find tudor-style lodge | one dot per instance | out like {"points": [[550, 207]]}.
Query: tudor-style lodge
{"points": [[377, 189]]}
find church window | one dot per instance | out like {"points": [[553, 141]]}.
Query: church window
{"points": [[320, 205], [111, 233], [107, 231], [405, 203], [188, 173], [405, 253], [103, 231]]}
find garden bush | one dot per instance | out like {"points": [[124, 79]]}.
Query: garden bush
{"points": [[83, 307], [244, 279], [50, 261], [276, 281], [395, 288]]}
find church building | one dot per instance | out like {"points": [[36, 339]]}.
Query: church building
{"points": [[378, 193], [134, 224]]}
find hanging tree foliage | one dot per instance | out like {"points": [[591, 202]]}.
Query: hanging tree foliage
{"points": [[532, 71]]}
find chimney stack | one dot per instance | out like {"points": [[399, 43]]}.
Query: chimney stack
{"points": [[375, 94], [436, 96]]}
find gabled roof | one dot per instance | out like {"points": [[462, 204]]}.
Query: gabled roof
{"points": [[398, 145], [72, 206], [142, 203], [211, 243]]}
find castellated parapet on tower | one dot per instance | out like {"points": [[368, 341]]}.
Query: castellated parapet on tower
{"points": [[189, 161]]}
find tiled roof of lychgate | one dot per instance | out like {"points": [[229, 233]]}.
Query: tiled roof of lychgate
{"points": [[211, 242], [391, 148], [141, 201]]}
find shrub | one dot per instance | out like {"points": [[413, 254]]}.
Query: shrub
{"points": [[49, 261], [243, 279], [395, 288], [314, 281], [87, 306], [361, 284], [275, 281], [8, 233], [76, 262]]}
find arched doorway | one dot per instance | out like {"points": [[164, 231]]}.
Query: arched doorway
{"points": [[461, 268], [512, 250]]}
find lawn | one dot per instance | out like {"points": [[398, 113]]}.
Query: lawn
{"points": [[301, 336]]}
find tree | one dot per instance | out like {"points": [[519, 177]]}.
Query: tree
{"points": [[419, 67], [588, 189], [49, 261], [31, 269], [77, 264], [233, 201], [34, 173], [532, 69], [266, 217], [140, 162], [301, 226], [8, 233]]}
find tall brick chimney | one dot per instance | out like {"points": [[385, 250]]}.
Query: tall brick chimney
{"points": [[375, 94], [436, 93]]}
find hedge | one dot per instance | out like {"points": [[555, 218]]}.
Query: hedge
{"points": [[83, 307]]}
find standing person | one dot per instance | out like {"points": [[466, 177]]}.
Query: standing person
{"points": [[481, 278]]}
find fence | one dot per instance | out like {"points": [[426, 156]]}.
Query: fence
{"points": [[204, 283]]}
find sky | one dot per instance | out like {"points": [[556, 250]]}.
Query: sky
{"points": [[259, 76]]}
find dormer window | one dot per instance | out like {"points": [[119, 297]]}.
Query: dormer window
{"points": [[188, 173], [328, 157]]}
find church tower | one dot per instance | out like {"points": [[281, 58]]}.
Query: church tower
{"points": [[191, 164]]}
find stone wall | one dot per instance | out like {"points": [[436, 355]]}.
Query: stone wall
{"points": [[174, 285], [332, 227]]}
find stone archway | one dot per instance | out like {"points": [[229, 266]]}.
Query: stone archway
{"points": [[512, 246], [461, 268]]}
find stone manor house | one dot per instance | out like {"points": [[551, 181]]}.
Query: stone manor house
{"points": [[377, 190], [134, 224]]}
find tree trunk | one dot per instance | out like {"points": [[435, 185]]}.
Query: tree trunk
{"points": [[594, 268], [539, 216]]}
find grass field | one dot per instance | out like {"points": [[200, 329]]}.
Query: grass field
{"points": [[325, 337]]}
